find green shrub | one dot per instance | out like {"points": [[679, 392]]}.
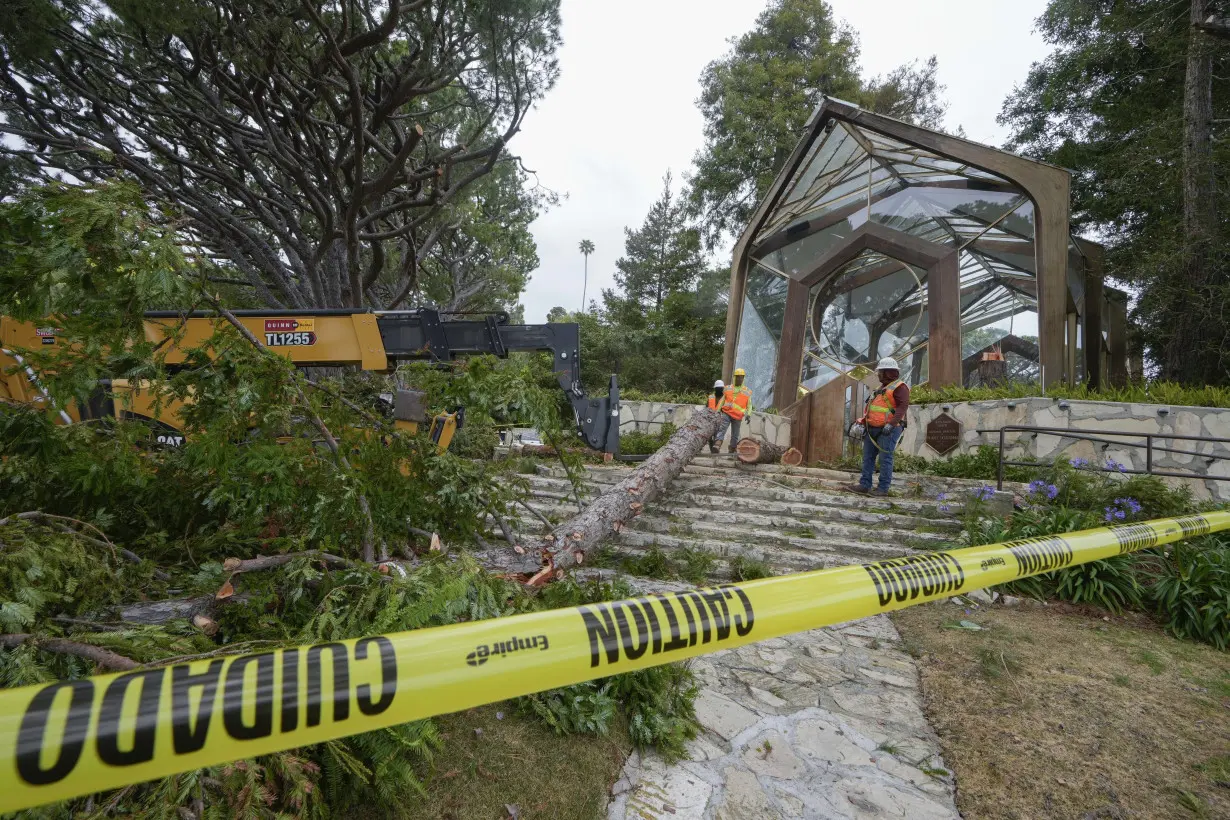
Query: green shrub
{"points": [[1151, 393], [1109, 583], [1189, 589], [637, 443], [748, 569], [695, 566], [653, 563], [677, 397]]}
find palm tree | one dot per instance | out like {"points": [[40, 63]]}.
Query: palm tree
{"points": [[587, 248]]}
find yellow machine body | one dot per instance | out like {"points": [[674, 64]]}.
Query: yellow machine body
{"points": [[331, 339]]}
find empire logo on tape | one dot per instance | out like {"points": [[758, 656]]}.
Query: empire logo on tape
{"points": [[72, 738]]}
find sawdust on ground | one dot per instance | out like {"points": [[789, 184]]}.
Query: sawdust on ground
{"points": [[1055, 712]]}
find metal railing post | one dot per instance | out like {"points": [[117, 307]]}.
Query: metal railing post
{"points": [[999, 485], [1148, 454]]}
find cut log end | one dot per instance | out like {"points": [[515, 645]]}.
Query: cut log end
{"points": [[753, 451], [793, 457]]}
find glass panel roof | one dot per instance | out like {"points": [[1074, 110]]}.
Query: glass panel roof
{"points": [[852, 175]]}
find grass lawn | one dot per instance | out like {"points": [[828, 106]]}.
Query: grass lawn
{"points": [[1056, 712], [488, 762]]}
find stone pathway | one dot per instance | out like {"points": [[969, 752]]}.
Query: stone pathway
{"points": [[823, 724]]}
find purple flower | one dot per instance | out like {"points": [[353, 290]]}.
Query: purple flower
{"points": [[1114, 514], [1041, 488], [1079, 463], [945, 508], [942, 497], [1129, 504], [1113, 466], [984, 493]]}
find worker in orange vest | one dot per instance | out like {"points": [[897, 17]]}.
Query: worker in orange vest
{"points": [[883, 423], [735, 404]]}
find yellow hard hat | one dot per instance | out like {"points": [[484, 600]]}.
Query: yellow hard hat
{"points": [[739, 371]]}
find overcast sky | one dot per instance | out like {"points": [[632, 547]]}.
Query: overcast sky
{"points": [[623, 111]]}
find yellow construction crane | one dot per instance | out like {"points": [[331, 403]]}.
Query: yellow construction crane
{"points": [[369, 340]]}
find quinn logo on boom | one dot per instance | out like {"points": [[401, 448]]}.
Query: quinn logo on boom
{"points": [[501, 648], [290, 332]]}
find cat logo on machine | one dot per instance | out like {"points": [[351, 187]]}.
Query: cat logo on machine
{"points": [[46, 335], [290, 332]]}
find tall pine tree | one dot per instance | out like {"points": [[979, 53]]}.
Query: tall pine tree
{"points": [[661, 257]]}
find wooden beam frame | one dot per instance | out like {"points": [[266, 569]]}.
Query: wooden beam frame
{"points": [[1117, 326], [943, 302], [1095, 296]]}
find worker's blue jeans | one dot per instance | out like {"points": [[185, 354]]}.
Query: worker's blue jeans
{"points": [[727, 422], [882, 442]]}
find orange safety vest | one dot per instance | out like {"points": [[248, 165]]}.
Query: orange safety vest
{"points": [[713, 405], [737, 402], [881, 405]]}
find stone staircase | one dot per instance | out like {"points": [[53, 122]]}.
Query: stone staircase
{"points": [[791, 518]]}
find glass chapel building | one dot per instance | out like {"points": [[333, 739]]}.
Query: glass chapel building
{"points": [[880, 238]]}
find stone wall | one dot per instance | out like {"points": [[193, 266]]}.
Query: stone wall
{"points": [[1089, 415], [649, 416]]}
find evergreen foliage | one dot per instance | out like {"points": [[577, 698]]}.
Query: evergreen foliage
{"points": [[1108, 102]]}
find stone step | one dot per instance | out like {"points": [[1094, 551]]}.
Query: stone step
{"points": [[780, 514], [907, 484], [850, 539], [750, 490], [706, 462], [742, 525], [720, 539], [782, 560]]}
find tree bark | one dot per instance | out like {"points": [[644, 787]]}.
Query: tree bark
{"points": [[753, 451], [567, 545], [1183, 360], [160, 612]]}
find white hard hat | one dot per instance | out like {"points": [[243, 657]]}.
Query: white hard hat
{"points": [[887, 363], [719, 383]]}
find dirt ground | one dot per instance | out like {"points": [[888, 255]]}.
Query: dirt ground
{"points": [[1057, 712]]}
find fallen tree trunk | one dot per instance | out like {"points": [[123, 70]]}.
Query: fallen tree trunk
{"points": [[567, 545], [753, 451]]}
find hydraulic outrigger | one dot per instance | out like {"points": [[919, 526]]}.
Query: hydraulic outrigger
{"points": [[369, 340]]}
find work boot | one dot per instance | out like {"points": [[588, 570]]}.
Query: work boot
{"points": [[877, 491], [858, 488], [713, 448]]}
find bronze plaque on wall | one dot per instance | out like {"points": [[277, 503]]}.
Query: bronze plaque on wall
{"points": [[943, 434]]}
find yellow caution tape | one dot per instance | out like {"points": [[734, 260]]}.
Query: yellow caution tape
{"points": [[72, 738]]}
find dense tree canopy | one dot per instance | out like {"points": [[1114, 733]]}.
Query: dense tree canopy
{"points": [[757, 98], [1108, 103], [322, 151]]}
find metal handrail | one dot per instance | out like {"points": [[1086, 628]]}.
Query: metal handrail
{"points": [[1100, 436]]}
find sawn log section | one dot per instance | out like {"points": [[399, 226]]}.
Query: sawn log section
{"points": [[753, 451]]}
